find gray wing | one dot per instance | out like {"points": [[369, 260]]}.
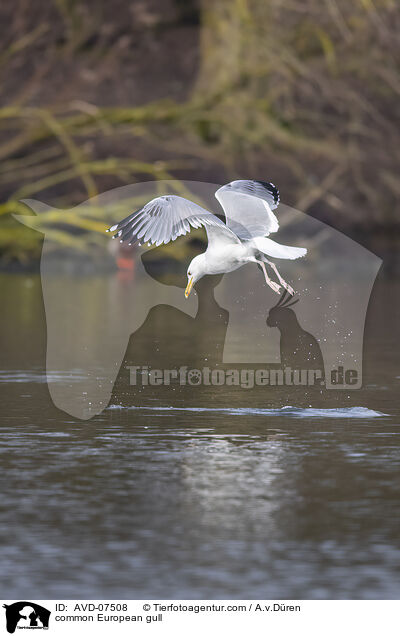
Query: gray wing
{"points": [[248, 207], [165, 218]]}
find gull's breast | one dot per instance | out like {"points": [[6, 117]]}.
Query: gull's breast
{"points": [[225, 259]]}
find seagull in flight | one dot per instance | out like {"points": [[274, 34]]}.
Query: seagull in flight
{"points": [[248, 207]]}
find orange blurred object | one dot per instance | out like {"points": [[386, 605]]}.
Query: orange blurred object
{"points": [[125, 263]]}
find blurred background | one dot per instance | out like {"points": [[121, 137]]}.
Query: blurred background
{"points": [[194, 492], [303, 93]]}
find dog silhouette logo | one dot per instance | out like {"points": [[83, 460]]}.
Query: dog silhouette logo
{"points": [[26, 615]]}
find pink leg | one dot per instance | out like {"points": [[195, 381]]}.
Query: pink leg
{"points": [[269, 282], [281, 280]]}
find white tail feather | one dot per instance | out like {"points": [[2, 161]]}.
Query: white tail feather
{"points": [[275, 250]]}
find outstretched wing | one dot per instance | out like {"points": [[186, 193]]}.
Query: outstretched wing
{"points": [[164, 219], [248, 207]]}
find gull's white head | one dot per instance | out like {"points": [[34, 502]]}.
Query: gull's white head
{"points": [[196, 270]]}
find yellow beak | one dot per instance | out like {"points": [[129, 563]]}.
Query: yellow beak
{"points": [[189, 287]]}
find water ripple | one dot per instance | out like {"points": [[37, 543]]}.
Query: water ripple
{"points": [[288, 411]]}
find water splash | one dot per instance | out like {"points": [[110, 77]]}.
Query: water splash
{"points": [[287, 411]]}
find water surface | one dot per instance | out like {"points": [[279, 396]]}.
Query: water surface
{"points": [[200, 493]]}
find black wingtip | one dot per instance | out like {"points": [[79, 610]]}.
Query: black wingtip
{"points": [[271, 187]]}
